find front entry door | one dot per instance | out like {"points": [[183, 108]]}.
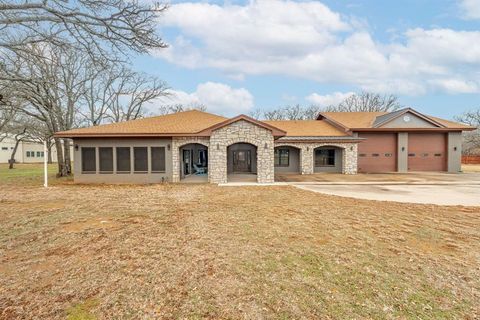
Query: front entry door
{"points": [[242, 161]]}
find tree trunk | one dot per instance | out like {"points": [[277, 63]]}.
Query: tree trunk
{"points": [[49, 155], [62, 172], [12, 157], [66, 154]]}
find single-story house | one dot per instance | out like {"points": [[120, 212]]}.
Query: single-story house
{"points": [[177, 146]]}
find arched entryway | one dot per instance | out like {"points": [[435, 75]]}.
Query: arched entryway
{"points": [[242, 162], [193, 159], [328, 159], [287, 159]]}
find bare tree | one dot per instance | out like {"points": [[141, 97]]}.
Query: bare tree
{"points": [[53, 82], [94, 26], [294, 112], [366, 102], [129, 94], [471, 141], [178, 107]]}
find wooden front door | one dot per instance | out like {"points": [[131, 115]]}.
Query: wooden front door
{"points": [[242, 161]]}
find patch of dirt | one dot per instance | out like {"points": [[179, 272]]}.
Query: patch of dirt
{"points": [[201, 251]]}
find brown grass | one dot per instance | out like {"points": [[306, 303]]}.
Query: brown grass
{"points": [[471, 167], [201, 251]]}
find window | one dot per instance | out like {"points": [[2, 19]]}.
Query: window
{"points": [[438, 154], [362, 155], [158, 159], [39, 154], [411, 154], [325, 158], [140, 157], [388, 155], [375, 155], [89, 164], [4, 148], [424, 155], [282, 157], [106, 159], [30, 154], [42, 154], [123, 160]]}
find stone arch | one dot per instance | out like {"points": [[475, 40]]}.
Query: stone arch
{"points": [[241, 132], [177, 143]]}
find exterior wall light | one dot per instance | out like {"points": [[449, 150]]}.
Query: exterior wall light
{"points": [[76, 147], [168, 147], [455, 148], [403, 148]]}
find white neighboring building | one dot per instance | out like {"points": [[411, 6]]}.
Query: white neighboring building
{"points": [[27, 151]]}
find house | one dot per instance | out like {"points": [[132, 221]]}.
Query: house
{"points": [[27, 151], [213, 148]]}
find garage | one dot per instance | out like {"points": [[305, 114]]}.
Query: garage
{"points": [[427, 152], [378, 153]]}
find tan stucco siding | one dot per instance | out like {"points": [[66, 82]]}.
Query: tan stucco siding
{"points": [[294, 160], [454, 152], [114, 177], [415, 122]]}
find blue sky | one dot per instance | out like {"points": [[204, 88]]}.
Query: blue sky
{"points": [[237, 56]]}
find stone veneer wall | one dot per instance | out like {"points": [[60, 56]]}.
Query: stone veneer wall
{"points": [[177, 143], [238, 132], [350, 154]]}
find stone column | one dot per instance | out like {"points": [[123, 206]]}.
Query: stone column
{"points": [[350, 157], [306, 158]]}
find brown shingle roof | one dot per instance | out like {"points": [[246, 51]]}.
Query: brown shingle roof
{"points": [[366, 120], [354, 119], [307, 128], [181, 123]]}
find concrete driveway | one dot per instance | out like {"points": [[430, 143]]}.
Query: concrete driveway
{"points": [[441, 189]]}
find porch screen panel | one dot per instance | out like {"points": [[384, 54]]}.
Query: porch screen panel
{"points": [[89, 164], [158, 159], [140, 155], [123, 160], [105, 159]]}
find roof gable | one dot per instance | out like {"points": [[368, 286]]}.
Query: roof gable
{"points": [[422, 120], [361, 121], [275, 131]]}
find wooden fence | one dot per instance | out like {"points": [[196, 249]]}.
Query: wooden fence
{"points": [[471, 159]]}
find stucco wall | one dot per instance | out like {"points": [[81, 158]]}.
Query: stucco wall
{"points": [[415, 122], [294, 161], [241, 132], [402, 151], [454, 156], [131, 177], [338, 167]]}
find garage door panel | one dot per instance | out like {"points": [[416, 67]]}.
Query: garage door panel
{"points": [[427, 152], [378, 153]]}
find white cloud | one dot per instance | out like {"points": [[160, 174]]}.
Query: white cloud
{"points": [[217, 97], [328, 99], [470, 9], [310, 41]]}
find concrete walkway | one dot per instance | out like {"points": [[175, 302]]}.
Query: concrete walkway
{"points": [[453, 193]]}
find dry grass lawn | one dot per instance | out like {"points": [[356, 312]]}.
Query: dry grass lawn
{"points": [[471, 167], [201, 251]]}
